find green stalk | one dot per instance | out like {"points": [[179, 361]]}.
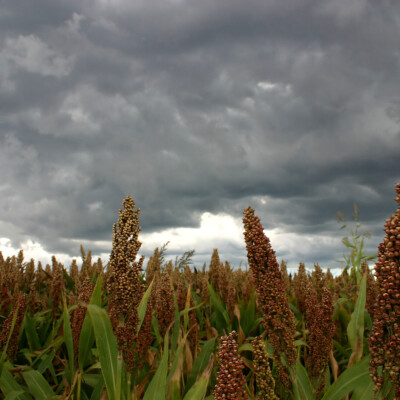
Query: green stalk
{"points": [[120, 362], [78, 390]]}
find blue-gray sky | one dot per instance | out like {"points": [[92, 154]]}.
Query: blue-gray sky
{"points": [[197, 109]]}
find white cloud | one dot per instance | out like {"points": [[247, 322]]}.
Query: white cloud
{"points": [[95, 207], [266, 85], [33, 55], [32, 250], [215, 230]]}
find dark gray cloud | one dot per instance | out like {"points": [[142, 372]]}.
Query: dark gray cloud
{"points": [[198, 107]]}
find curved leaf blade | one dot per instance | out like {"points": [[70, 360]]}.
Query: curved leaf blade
{"points": [[107, 347], [352, 379], [198, 390], [38, 386], [157, 387]]}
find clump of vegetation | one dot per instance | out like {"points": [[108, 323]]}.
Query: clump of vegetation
{"points": [[116, 332]]}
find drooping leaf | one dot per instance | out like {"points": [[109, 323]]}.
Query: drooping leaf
{"points": [[9, 385], [15, 394], [38, 386], [352, 379]]}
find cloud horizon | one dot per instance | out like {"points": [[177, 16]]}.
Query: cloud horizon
{"points": [[197, 110]]}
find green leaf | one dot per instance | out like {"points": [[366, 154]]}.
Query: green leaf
{"points": [[300, 343], [223, 319], [86, 338], [156, 328], [9, 385], [346, 242], [107, 347], [15, 394], [157, 387], [31, 333], [364, 393], [352, 379], [301, 383], [245, 347], [38, 386], [143, 306], [176, 356], [69, 343], [355, 328], [198, 390], [187, 310], [4, 354], [174, 391], [201, 362], [98, 389], [46, 362]]}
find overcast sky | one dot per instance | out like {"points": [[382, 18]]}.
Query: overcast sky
{"points": [[197, 109]]}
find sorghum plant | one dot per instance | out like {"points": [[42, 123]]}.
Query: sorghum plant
{"points": [[164, 302], [227, 286], [300, 287], [124, 285], [79, 313], [262, 370], [214, 269], [318, 280], [285, 276], [384, 341], [230, 380], [153, 266], [18, 312], [322, 330], [57, 284], [278, 319]]}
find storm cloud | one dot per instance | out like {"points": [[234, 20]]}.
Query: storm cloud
{"points": [[197, 110]]}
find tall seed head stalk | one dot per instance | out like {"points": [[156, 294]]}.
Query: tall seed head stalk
{"points": [[123, 284], [153, 268], [57, 285], [164, 300], [384, 340], [300, 287], [214, 270], [319, 318], [278, 319]]}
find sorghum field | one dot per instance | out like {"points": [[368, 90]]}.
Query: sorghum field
{"points": [[155, 330]]}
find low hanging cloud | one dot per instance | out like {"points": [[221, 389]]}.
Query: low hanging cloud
{"points": [[197, 110]]}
